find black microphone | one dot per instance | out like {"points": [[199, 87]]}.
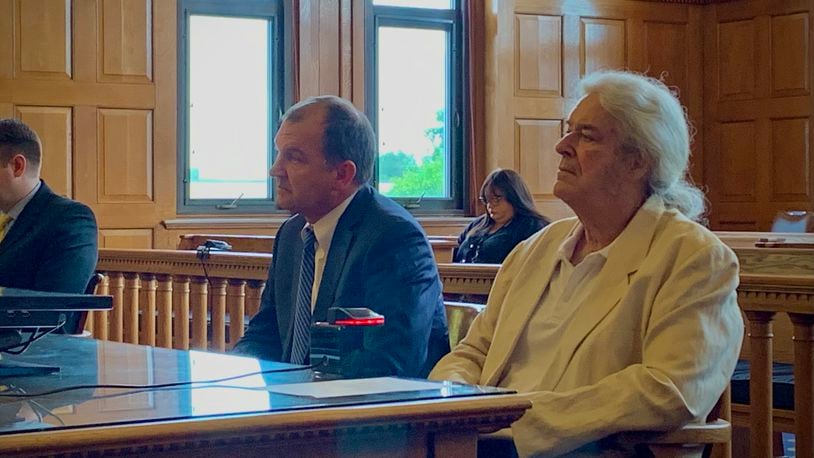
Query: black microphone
{"points": [[342, 334]]}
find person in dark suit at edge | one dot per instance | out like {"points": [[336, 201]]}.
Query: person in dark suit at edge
{"points": [[47, 242], [345, 246]]}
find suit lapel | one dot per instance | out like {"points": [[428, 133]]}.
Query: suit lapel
{"points": [[26, 221], [342, 241], [624, 258], [520, 302]]}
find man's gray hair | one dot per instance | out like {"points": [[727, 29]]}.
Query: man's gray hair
{"points": [[347, 133], [653, 123]]}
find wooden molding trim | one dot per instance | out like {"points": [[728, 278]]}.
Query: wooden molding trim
{"points": [[488, 414], [242, 266]]}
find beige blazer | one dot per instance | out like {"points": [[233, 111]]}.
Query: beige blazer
{"points": [[653, 348]]}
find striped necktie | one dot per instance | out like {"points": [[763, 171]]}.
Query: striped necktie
{"points": [[5, 220], [301, 343]]}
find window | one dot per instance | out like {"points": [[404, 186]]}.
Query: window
{"points": [[415, 99], [231, 92]]}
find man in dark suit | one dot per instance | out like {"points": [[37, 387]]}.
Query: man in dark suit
{"points": [[49, 243], [364, 251]]}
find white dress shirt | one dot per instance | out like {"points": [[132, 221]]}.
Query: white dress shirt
{"points": [[324, 233]]}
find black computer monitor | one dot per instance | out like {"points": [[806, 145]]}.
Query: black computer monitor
{"points": [[33, 314]]}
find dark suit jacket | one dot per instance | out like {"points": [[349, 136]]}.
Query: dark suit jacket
{"points": [[52, 246], [379, 259]]}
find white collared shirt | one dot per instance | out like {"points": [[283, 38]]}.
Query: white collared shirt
{"points": [[568, 289], [324, 233], [15, 211]]}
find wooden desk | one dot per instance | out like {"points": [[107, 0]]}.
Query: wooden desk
{"points": [[225, 420]]}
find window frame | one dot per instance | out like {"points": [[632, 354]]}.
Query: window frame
{"points": [[279, 82], [450, 20]]}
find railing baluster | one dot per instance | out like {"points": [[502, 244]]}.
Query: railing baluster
{"points": [[803, 383], [100, 324], [180, 303], [760, 382], [147, 306], [116, 320], [199, 302], [164, 306], [219, 314], [132, 284], [236, 304]]}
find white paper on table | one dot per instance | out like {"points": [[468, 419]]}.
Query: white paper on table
{"points": [[354, 387]]}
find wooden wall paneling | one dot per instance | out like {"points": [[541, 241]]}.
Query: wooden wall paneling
{"points": [[739, 176], [126, 238], [535, 156], [309, 48], [125, 151], [164, 116], [320, 48], [499, 61], [791, 164], [125, 45], [54, 125], [6, 110], [329, 48], [538, 50], [6, 41], [43, 45], [790, 65], [736, 59], [766, 81], [345, 52], [85, 33], [358, 53], [604, 44], [85, 162]]}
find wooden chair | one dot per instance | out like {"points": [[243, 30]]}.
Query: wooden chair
{"points": [[690, 440], [94, 281], [460, 316]]}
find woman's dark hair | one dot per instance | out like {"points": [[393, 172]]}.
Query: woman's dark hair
{"points": [[514, 190]]}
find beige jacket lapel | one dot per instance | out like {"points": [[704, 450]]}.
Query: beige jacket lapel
{"points": [[624, 258]]}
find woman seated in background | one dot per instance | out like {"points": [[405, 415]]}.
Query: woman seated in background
{"points": [[510, 218]]}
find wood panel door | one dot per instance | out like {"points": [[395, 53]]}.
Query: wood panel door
{"points": [[86, 76], [759, 109], [538, 49]]}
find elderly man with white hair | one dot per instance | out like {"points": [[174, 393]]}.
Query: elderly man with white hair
{"points": [[625, 317]]}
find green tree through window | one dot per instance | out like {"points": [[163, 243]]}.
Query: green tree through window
{"points": [[427, 178]]}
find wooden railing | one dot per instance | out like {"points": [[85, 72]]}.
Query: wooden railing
{"points": [[163, 298], [159, 294]]}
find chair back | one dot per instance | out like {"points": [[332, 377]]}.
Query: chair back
{"points": [[460, 316], [94, 281], [691, 440], [796, 221]]}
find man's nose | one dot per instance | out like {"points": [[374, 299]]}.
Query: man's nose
{"points": [[563, 147]]}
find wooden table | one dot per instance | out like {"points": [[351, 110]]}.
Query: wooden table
{"points": [[237, 418]]}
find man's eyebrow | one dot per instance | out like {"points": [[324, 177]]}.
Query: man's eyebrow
{"points": [[580, 126]]}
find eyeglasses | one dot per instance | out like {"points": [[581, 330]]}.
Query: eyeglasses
{"points": [[494, 200]]}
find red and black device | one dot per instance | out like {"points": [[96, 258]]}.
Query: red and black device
{"points": [[342, 334]]}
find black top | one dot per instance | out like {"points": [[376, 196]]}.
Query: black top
{"points": [[486, 248]]}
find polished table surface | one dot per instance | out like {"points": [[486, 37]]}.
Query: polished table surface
{"points": [[244, 403]]}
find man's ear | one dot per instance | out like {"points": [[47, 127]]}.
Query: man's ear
{"points": [[345, 173], [19, 165]]}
